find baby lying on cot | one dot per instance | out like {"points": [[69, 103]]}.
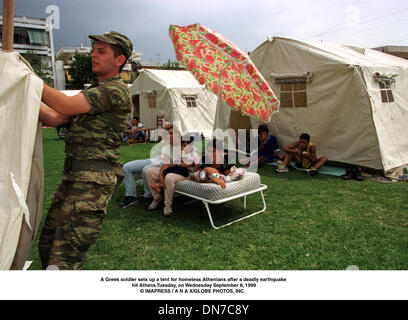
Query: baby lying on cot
{"points": [[218, 171]]}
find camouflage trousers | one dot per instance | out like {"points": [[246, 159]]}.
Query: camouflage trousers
{"points": [[73, 223]]}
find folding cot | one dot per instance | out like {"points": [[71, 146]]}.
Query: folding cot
{"points": [[210, 193]]}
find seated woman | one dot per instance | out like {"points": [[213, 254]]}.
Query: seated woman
{"points": [[171, 157], [189, 161]]}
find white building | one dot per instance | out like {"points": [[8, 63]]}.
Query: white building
{"points": [[66, 53], [398, 51]]}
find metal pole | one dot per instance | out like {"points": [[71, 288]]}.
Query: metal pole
{"points": [[8, 25], [51, 29]]}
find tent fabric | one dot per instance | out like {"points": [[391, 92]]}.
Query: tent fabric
{"points": [[21, 163], [159, 79], [170, 89], [345, 115]]}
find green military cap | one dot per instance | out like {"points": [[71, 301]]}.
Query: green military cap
{"points": [[114, 37]]}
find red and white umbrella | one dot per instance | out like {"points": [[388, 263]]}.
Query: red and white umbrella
{"points": [[225, 69]]}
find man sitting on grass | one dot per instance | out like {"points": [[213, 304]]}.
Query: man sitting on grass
{"points": [[303, 152], [268, 147], [135, 132]]}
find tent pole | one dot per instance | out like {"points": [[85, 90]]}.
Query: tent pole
{"points": [[8, 25]]}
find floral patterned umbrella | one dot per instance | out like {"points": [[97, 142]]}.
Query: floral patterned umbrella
{"points": [[225, 69]]}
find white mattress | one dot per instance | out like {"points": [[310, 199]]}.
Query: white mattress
{"points": [[214, 192]]}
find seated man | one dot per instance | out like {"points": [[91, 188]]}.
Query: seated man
{"points": [[268, 147], [136, 131], [128, 132], [303, 152], [139, 167]]}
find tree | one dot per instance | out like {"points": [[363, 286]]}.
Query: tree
{"points": [[171, 65], [40, 68], [81, 71]]}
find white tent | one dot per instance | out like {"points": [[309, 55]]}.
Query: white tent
{"points": [[353, 102], [177, 97]]}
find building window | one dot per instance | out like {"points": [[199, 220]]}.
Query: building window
{"points": [[152, 100], [29, 36], [386, 92], [191, 101], [293, 93], [21, 36], [37, 37]]}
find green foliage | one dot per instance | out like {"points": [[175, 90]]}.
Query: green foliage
{"points": [[311, 223], [171, 65], [40, 68], [81, 71], [133, 77]]}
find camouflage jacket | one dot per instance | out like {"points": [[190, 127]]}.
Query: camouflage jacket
{"points": [[98, 134]]}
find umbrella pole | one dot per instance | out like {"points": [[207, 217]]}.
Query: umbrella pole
{"points": [[8, 25], [217, 113]]}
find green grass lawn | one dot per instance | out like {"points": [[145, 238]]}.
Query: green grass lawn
{"points": [[311, 223]]}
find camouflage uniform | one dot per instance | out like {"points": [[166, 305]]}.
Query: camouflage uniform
{"points": [[90, 175]]}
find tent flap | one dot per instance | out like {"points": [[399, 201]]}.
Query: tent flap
{"points": [[21, 167]]}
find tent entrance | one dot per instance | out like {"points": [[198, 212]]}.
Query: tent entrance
{"points": [[238, 121]]}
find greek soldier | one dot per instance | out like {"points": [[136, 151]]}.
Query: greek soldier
{"points": [[98, 117]]}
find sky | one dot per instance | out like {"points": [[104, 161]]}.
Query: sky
{"points": [[362, 23]]}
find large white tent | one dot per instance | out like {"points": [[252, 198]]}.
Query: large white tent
{"points": [[21, 161], [177, 97], [352, 101]]}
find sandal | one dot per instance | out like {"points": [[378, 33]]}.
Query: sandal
{"points": [[167, 211], [153, 206]]}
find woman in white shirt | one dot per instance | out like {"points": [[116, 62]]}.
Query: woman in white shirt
{"points": [[172, 157]]}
